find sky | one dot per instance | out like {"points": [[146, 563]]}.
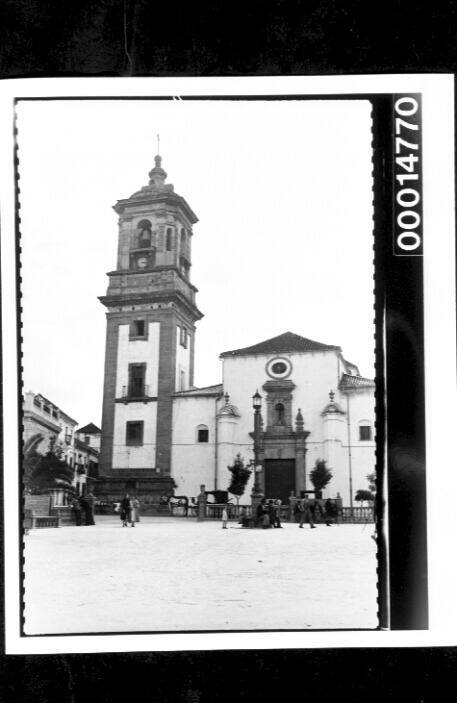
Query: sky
{"points": [[284, 242]]}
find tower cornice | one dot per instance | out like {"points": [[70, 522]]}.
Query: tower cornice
{"points": [[129, 272], [112, 301], [148, 197]]}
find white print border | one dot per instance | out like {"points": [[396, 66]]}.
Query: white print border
{"points": [[437, 97]]}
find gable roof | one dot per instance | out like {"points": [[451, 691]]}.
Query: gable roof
{"points": [[89, 429], [286, 342], [348, 382]]}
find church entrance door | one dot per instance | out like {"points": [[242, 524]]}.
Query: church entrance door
{"points": [[279, 478]]}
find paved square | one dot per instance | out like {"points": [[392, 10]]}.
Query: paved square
{"points": [[169, 574]]}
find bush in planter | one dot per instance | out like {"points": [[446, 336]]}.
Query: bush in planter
{"points": [[320, 476], [240, 477], [364, 496]]}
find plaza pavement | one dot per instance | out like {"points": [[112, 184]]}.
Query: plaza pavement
{"points": [[171, 574]]}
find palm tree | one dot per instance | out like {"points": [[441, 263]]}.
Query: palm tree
{"points": [[31, 459], [48, 471]]}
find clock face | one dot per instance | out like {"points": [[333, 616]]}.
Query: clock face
{"points": [[142, 262]]}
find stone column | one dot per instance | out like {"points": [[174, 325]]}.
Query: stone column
{"points": [[300, 479], [201, 504], [292, 504], [300, 454]]}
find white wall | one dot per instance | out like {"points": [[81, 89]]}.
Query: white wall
{"points": [[182, 361], [192, 462], [314, 374], [361, 408], [142, 457], [138, 351], [131, 352]]}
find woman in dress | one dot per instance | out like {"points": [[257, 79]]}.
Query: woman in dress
{"points": [[134, 511]]}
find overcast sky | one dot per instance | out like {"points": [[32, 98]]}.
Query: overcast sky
{"points": [[284, 242]]}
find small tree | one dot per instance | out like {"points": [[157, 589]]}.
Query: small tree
{"points": [[240, 477], [363, 495], [320, 476]]}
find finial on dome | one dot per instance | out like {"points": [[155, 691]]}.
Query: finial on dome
{"points": [[157, 176], [226, 398], [331, 395]]}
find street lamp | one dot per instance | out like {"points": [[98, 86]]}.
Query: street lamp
{"points": [[256, 404]]}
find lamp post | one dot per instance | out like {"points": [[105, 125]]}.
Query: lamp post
{"points": [[256, 494]]}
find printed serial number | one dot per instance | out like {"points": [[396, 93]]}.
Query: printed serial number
{"points": [[408, 210]]}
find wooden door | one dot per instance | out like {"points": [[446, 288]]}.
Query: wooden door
{"points": [[279, 478]]}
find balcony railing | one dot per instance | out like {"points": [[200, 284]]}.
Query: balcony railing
{"points": [[135, 391]]}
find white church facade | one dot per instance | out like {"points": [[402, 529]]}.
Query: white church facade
{"points": [[160, 434]]}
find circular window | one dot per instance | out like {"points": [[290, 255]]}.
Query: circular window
{"points": [[279, 368]]}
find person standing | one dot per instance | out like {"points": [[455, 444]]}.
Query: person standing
{"points": [[260, 511], [134, 511], [262, 514], [224, 517], [330, 511], [76, 508], [306, 514], [298, 509], [125, 510], [271, 513], [277, 514], [89, 508]]}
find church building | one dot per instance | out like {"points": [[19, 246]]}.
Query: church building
{"points": [[161, 434]]}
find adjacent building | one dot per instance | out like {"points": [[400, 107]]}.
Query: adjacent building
{"points": [[160, 434], [47, 426], [87, 453], [43, 419]]}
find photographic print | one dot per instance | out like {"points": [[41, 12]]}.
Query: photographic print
{"points": [[217, 392], [223, 310]]}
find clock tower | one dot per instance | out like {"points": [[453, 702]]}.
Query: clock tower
{"points": [[151, 316]]}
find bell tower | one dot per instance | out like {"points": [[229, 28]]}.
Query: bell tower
{"points": [[151, 316]]}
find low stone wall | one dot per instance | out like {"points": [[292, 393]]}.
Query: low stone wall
{"points": [[65, 515]]}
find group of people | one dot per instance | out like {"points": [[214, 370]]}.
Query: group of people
{"points": [[129, 510], [307, 510], [83, 508], [269, 513]]}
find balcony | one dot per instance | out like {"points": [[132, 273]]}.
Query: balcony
{"points": [[135, 394]]}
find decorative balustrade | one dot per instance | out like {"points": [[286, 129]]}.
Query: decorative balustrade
{"points": [[235, 512], [357, 514]]}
